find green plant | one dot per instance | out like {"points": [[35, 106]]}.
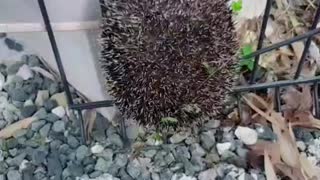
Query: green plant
{"points": [[236, 6], [169, 121], [247, 63]]}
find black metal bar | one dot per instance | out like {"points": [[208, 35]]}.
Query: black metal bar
{"points": [[57, 56], [316, 99], [261, 38], [55, 50], [274, 84], [281, 44], [277, 99], [307, 44], [92, 105]]}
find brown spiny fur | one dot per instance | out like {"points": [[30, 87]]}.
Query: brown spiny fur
{"points": [[154, 53]]}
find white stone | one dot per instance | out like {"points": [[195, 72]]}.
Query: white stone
{"points": [[28, 103], [246, 135], [42, 96], [223, 147], [60, 98], [23, 165], [97, 148], [301, 145], [59, 111], [182, 177], [102, 177], [2, 81], [25, 72], [209, 174]]}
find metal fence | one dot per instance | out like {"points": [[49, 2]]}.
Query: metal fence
{"points": [[237, 90]]}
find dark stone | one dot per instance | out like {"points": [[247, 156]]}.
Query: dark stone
{"points": [[101, 123], [63, 160], [28, 111], [303, 134], [54, 88], [12, 44], [75, 170], [55, 145], [89, 169], [3, 69], [3, 35], [18, 95], [52, 117], [54, 166], [38, 157], [72, 141], [3, 167], [124, 175], [65, 149], [88, 160], [16, 161], [11, 143], [33, 60], [50, 104]]}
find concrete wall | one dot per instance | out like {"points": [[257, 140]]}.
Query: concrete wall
{"points": [[79, 49], [13, 11]]}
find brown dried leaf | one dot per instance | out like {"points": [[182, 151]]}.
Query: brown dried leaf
{"points": [[292, 173], [263, 114], [258, 149], [11, 129], [288, 149], [270, 172], [89, 119], [296, 100], [298, 49], [304, 119], [308, 169]]}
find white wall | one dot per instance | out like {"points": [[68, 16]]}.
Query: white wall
{"points": [[78, 49], [13, 11]]}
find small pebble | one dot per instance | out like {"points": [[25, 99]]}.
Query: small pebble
{"points": [[25, 72], [58, 126], [28, 111], [223, 147], [97, 148], [246, 135], [59, 111], [301, 145]]}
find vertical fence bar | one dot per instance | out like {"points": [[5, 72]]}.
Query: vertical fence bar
{"points": [[307, 44], [277, 99], [316, 99], [261, 38], [57, 56]]}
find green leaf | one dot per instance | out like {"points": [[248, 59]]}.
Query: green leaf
{"points": [[169, 121], [248, 63], [236, 6]]}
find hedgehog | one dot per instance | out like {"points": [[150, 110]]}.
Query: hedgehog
{"points": [[161, 57]]}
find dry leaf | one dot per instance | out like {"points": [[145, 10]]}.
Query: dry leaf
{"points": [[256, 153], [288, 149], [89, 120], [43, 72], [307, 167], [295, 100], [270, 172], [298, 49], [292, 173], [11, 129]]}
